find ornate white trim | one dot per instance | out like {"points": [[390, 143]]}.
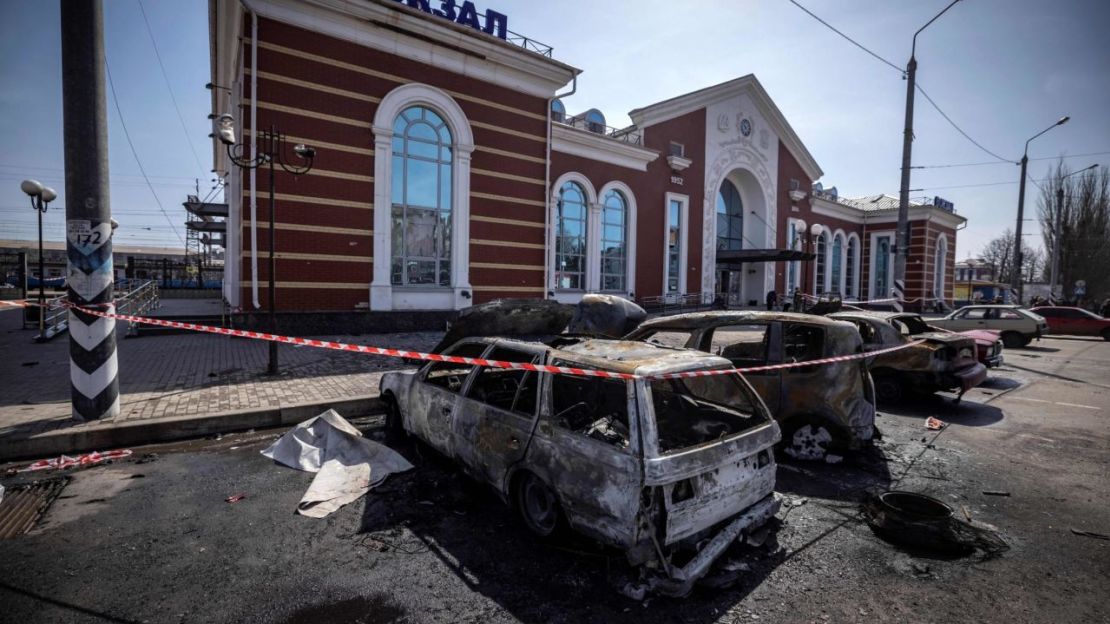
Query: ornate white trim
{"points": [[597, 147], [683, 240], [382, 294], [571, 296]]}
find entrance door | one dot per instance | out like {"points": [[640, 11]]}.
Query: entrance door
{"points": [[728, 286]]}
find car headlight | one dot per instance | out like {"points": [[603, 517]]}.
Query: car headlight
{"points": [[966, 353]]}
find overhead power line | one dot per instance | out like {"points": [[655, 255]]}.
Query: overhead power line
{"points": [[169, 88], [1008, 162], [127, 135], [953, 124], [853, 41]]}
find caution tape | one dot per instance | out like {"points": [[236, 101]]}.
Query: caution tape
{"points": [[457, 359], [65, 461]]}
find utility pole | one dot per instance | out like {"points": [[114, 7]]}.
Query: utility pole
{"points": [[902, 236], [94, 375], [1015, 274]]}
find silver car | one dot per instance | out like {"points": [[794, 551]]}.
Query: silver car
{"points": [[1017, 325], [672, 471]]}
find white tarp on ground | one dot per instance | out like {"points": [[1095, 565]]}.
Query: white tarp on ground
{"points": [[346, 464]]}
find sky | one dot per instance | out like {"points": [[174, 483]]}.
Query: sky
{"points": [[1002, 70]]}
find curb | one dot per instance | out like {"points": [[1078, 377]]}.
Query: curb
{"points": [[173, 428]]}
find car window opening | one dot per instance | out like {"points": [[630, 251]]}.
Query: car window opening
{"points": [[505, 388], [449, 375], [592, 406], [698, 410]]}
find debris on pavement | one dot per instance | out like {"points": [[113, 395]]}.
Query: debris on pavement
{"points": [[996, 493], [922, 523], [1100, 536], [346, 464], [65, 461], [235, 498], [935, 424]]}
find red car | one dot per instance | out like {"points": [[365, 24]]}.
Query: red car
{"points": [[1074, 321]]}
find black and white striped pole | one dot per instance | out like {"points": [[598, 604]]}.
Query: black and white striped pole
{"points": [[899, 294], [93, 373]]}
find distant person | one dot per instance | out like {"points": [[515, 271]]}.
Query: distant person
{"points": [[1104, 309], [772, 300]]}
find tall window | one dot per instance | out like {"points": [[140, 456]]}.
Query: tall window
{"points": [[674, 244], [614, 238], [730, 218], [837, 263], [421, 197], [882, 268], [822, 261], [570, 238], [939, 267], [850, 268]]}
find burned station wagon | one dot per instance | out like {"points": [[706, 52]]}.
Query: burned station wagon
{"points": [[672, 471], [944, 361], [821, 409]]}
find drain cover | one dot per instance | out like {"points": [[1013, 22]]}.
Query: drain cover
{"points": [[23, 505]]}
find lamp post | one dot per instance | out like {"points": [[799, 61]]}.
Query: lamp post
{"points": [[270, 149], [40, 196], [902, 239], [814, 231], [1056, 231], [1015, 277]]}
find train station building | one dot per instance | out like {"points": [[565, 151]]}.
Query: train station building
{"points": [[448, 172]]}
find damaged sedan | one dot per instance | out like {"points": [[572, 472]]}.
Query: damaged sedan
{"points": [[670, 470], [822, 409], [943, 361]]}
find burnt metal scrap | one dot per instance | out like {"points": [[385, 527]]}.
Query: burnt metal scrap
{"points": [[670, 471], [508, 317], [606, 316], [922, 523]]}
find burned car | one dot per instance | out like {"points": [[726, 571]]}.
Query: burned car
{"points": [[670, 470], [821, 408], [944, 361], [988, 347]]}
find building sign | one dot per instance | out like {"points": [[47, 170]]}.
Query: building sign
{"points": [[944, 204], [496, 24], [677, 180]]}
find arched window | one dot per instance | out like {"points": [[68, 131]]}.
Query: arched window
{"points": [[570, 238], [595, 121], [614, 241], [850, 268], [939, 267], [837, 263], [792, 242], [421, 197], [558, 111], [882, 268], [730, 218], [821, 249]]}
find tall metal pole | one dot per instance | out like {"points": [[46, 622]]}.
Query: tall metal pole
{"points": [[94, 375], [42, 277], [1015, 276], [272, 151]]}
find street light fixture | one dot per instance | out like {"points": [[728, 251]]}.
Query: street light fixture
{"points": [[902, 238], [1056, 231], [1015, 278], [271, 149], [40, 196]]}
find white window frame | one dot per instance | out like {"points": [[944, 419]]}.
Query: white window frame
{"points": [[840, 282], [798, 245], [940, 266], [593, 275], [828, 251], [630, 237], [855, 265], [458, 294], [871, 294], [683, 240]]}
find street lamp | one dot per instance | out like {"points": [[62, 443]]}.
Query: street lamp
{"points": [[270, 149], [1056, 231], [814, 232], [902, 237], [1015, 278], [40, 197]]}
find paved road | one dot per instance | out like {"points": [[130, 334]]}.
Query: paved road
{"points": [[156, 542]]}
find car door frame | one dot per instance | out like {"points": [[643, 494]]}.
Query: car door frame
{"points": [[767, 383], [432, 424]]}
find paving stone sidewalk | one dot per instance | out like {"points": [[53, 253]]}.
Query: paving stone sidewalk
{"points": [[187, 375]]}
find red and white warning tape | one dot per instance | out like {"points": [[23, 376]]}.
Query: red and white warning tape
{"points": [[65, 461], [436, 357]]}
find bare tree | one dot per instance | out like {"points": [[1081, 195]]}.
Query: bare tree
{"points": [[999, 255], [1084, 234]]}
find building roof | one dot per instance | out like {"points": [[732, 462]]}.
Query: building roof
{"points": [[147, 250], [873, 203]]}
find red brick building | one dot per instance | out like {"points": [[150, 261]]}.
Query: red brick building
{"points": [[448, 173]]}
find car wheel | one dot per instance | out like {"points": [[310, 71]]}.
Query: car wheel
{"points": [[1013, 340], [888, 389], [1106, 334], [394, 425], [538, 506]]}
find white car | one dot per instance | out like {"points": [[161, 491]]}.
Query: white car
{"points": [[1017, 325]]}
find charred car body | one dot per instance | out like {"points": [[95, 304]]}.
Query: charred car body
{"points": [[944, 361], [671, 471], [823, 408]]}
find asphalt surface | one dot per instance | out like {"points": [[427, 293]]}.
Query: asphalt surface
{"points": [[152, 539]]}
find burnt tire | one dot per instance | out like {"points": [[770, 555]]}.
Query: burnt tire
{"points": [[394, 425], [889, 389], [1106, 334], [1013, 340], [538, 505]]}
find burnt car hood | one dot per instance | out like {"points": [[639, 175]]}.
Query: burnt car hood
{"points": [[945, 339], [982, 336]]}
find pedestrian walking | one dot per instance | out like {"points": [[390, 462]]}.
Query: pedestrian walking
{"points": [[1104, 310], [772, 300]]}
